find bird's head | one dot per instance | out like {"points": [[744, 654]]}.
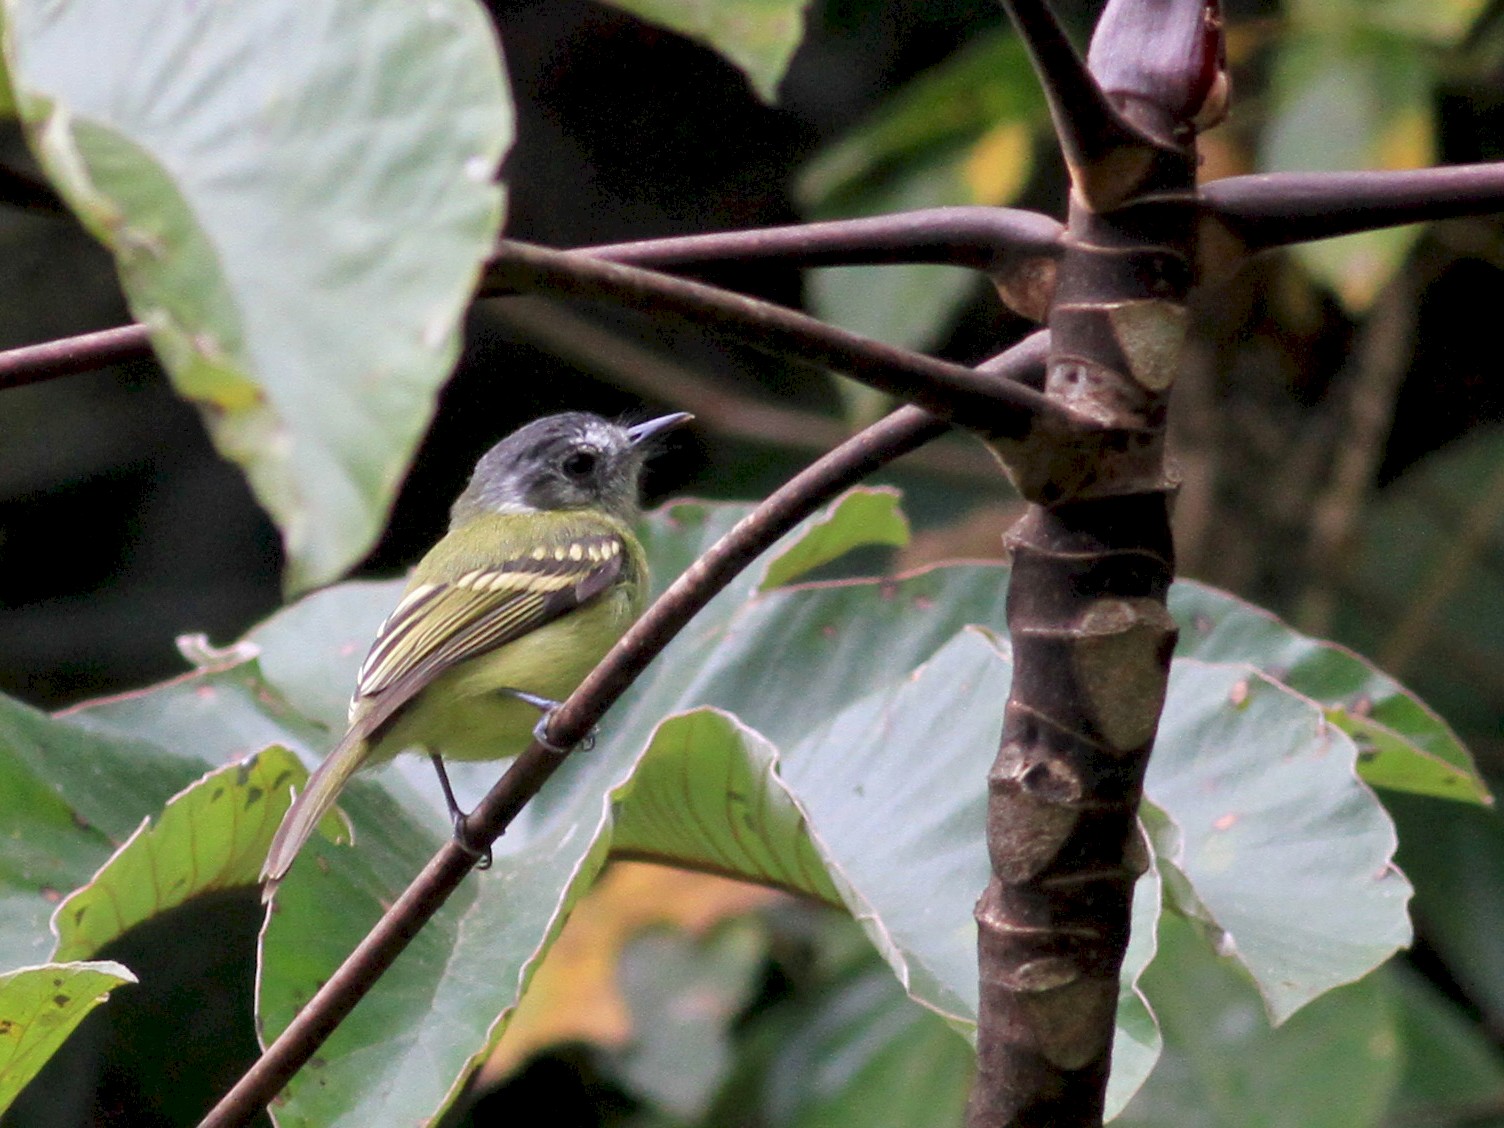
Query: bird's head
{"points": [[571, 461]]}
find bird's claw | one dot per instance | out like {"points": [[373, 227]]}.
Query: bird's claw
{"points": [[462, 839], [540, 734]]}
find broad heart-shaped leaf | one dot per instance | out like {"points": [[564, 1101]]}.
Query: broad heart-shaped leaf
{"points": [[213, 835], [1331, 1066], [1275, 844], [813, 784], [40, 1007], [758, 36], [703, 985], [830, 737], [298, 197], [68, 797], [856, 1053], [1404, 745]]}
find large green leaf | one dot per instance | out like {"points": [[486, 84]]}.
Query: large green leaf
{"points": [[1331, 1066], [1275, 844], [1404, 745], [818, 736], [68, 797], [699, 985], [857, 1054], [1459, 906], [1453, 1071], [862, 517], [298, 197], [40, 1007], [213, 835], [758, 36]]}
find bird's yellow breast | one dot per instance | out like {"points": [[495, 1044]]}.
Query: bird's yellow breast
{"points": [[463, 716]]}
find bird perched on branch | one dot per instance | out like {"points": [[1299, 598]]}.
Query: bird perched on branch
{"points": [[537, 577]]}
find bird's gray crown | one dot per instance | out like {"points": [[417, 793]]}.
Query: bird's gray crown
{"points": [[576, 460]]}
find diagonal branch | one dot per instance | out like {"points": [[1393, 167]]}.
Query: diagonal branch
{"points": [[1279, 208], [999, 408], [899, 433]]}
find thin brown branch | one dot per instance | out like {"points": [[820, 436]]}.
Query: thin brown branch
{"points": [[31, 364], [1280, 208], [899, 433], [999, 408], [988, 239]]}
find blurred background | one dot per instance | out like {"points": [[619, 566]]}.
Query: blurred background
{"points": [[1338, 427]]}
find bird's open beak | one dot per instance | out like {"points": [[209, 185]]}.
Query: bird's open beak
{"points": [[642, 432]]}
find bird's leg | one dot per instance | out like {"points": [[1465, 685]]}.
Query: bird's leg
{"points": [[547, 706], [457, 817]]}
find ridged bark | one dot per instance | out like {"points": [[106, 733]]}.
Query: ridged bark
{"points": [[1092, 639]]}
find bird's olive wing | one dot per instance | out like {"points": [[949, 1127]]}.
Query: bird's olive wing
{"points": [[438, 625]]}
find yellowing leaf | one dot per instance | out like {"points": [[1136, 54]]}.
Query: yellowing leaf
{"points": [[575, 996]]}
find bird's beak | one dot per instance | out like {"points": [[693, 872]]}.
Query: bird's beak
{"points": [[642, 432]]}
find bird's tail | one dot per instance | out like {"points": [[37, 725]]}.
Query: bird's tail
{"points": [[309, 808]]}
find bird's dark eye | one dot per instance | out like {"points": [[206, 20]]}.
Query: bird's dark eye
{"points": [[581, 463]]}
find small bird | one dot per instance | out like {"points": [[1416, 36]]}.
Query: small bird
{"points": [[537, 577]]}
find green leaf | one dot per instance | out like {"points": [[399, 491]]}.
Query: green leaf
{"points": [[1276, 846], [212, 836], [298, 199], [1137, 1043], [1404, 745], [706, 793], [67, 797], [40, 1007], [789, 735], [1458, 858], [758, 36], [864, 516], [947, 108], [1333, 1065]]}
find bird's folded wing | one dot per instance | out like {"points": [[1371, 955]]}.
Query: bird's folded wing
{"points": [[438, 625]]}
